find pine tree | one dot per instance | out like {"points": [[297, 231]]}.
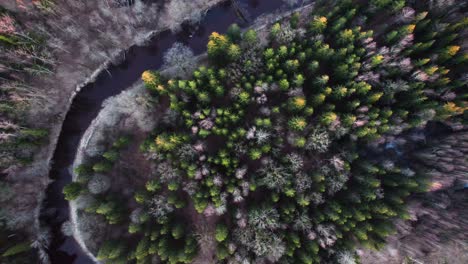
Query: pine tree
{"points": [[221, 232], [177, 231], [234, 33], [297, 123], [275, 30], [318, 24], [111, 156], [102, 167], [234, 52], [72, 190], [250, 37]]}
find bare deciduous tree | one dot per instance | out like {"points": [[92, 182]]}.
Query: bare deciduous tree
{"points": [[180, 58]]}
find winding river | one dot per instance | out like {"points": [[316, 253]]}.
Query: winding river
{"points": [[87, 104]]}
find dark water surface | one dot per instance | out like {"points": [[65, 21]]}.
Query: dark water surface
{"points": [[87, 104]]}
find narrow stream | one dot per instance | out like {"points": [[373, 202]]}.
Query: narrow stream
{"points": [[87, 104]]}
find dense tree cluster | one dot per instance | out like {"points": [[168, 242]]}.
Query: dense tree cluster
{"points": [[92, 183], [274, 141]]}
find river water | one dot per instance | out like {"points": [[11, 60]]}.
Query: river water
{"points": [[87, 104]]}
